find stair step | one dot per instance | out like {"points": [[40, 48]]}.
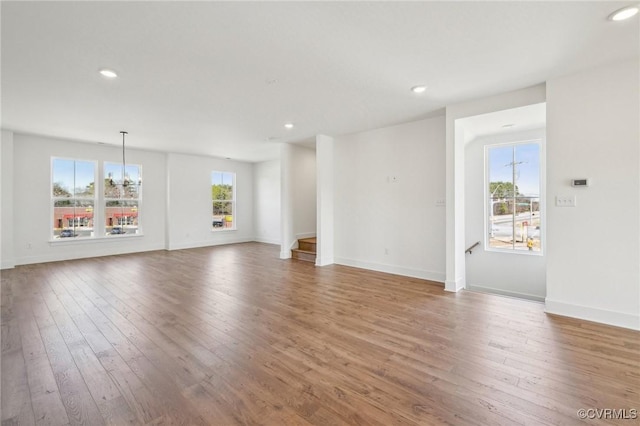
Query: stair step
{"points": [[307, 244], [305, 255]]}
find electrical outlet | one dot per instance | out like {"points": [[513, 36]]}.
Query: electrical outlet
{"points": [[566, 201]]}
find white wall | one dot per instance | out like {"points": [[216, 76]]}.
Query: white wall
{"points": [[32, 200], [324, 196], [6, 200], [297, 195], [266, 206], [386, 226], [189, 204], [455, 165], [287, 237], [304, 191], [512, 274], [593, 132]]}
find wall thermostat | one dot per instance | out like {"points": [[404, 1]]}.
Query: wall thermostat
{"points": [[580, 182]]}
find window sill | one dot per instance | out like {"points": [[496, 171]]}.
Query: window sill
{"points": [[72, 241], [215, 231]]}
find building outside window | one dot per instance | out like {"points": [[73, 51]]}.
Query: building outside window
{"points": [[223, 200], [73, 198], [122, 198], [513, 192]]}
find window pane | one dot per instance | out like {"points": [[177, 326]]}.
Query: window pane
{"points": [[527, 158], [121, 217], [222, 197], [223, 214], [222, 186], [63, 178], [514, 196], [84, 182], [113, 182], [73, 218], [73, 178]]}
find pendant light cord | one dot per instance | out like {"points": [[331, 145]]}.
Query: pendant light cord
{"points": [[124, 164]]}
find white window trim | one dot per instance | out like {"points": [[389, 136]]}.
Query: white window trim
{"points": [[233, 201], [103, 200], [53, 199], [99, 205], [541, 141], [90, 240]]}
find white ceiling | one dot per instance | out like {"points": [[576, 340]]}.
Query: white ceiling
{"points": [[221, 78]]}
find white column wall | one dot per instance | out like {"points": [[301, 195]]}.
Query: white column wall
{"points": [[325, 194], [266, 206], [6, 199], [286, 201]]}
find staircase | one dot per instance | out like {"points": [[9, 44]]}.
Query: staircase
{"points": [[306, 250]]}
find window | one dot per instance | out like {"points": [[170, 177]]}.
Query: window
{"points": [[122, 198], [223, 200], [513, 194], [73, 197]]}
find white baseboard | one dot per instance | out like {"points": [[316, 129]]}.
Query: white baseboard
{"points": [[324, 261], [619, 319], [57, 257], [483, 289], [454, 286], [7, 264], [392, 269], [285, 254], [266, 241]]}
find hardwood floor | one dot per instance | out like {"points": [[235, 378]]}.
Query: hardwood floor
{"points": [[233, 335]]}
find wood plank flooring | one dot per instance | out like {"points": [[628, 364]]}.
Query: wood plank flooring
{"points": [[232, 335]]}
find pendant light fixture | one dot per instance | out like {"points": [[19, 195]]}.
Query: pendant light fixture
{"points": [[126, 180]]}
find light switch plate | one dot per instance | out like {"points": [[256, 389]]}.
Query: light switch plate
{"points": [[566, 201]]}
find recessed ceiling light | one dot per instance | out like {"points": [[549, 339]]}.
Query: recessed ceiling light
{"points": [[289, 125], [505, 126], [107, 73], [418, 89], [624, 13]]}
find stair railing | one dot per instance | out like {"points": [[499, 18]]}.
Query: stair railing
{"points": [[472, 247]]}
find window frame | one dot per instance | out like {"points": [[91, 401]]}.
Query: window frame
{"points": [[99, 203], [53, 199], [233, 201], [540, 141], [104, 199]]}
